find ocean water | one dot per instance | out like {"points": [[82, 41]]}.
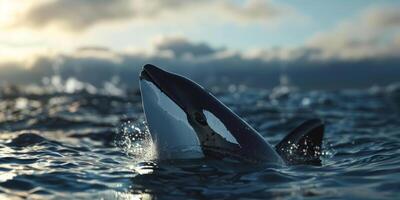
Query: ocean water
{"points": [[85, 143]]}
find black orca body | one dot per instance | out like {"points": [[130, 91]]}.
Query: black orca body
{"points": [[186, 121]]}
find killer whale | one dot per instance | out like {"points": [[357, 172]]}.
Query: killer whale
{"points": [[187, 122]]}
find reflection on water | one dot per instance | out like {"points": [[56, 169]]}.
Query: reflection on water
{"points": [[77, 142]]}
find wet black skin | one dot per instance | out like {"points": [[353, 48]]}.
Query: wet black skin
{"points": [[193, 99]]}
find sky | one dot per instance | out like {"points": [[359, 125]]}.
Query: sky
{"points": [[216, 32]]}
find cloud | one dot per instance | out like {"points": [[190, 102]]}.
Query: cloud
{"points": [[383, 17], [371, 34], [253, 10], [181, 47], [79, 15], [207, 65]]}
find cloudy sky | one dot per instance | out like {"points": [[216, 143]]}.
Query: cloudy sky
{"points": [[193, 32]]}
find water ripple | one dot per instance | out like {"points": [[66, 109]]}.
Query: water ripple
{"points": [[59, 145]]}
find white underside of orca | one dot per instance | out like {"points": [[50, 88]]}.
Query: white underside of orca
{"points": [[172, 135]]}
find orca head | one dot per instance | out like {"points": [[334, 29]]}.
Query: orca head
{"points": [[165, 110], [186, 121]]}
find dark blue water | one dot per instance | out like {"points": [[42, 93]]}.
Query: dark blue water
{"points": [[64, 144]]}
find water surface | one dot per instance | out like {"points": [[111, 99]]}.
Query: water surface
{"points": [[95, 144]]}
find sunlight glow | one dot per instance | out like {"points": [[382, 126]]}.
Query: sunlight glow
{"points": [[10, 11], [6, 12]]}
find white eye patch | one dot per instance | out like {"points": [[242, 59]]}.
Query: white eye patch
{"points": [[218, 127]]}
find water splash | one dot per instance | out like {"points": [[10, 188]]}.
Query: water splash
{"points": [[284, 88], [327, 152], [134, 139]]}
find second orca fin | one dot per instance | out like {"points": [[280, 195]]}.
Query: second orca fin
{"points": [[303, 144]]}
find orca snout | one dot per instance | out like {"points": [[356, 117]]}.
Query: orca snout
{"points": [[151, 72]]}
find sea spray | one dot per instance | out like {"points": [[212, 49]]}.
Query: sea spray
{"points": [[134, 139]]}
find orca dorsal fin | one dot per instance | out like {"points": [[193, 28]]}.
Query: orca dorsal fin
{"points": [[303, 144]]}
